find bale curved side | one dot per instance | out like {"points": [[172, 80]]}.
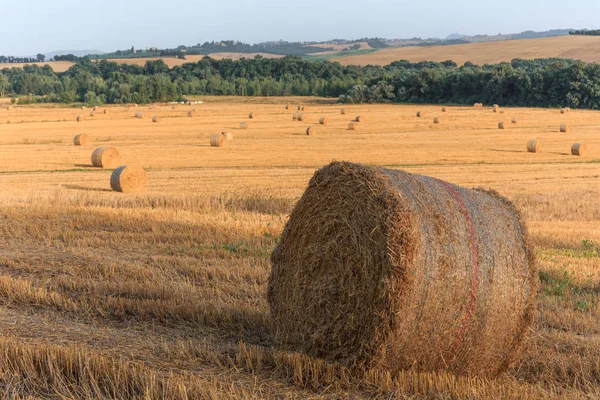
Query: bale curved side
{"points": [[310, 131], [129, 179], [81, 139], [385, 269], [323, 120], [534, 146], [578, 149], [218, 140]]}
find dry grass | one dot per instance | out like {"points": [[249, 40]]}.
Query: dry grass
{"points": [[162, 295]]}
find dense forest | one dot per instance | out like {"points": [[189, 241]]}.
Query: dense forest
{"points": [[548, 82]]}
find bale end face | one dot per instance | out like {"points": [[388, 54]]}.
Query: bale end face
{"points": [[385, 269], [129, 179], [500, 125]]}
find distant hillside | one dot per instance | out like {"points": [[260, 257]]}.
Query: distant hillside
{"points": [[585, 48], [78, 53]]}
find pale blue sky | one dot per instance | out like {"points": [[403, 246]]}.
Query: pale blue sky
{"points": [[31, 26]]}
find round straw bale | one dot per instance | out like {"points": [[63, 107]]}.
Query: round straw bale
{"points": [[295, 116], [156, 118], [251, 115], [299, 108], [579, 149], [92, 113], [418, 114], [227, 135], [359, 118], [301, 117], [139, 115], [353, 126], [105, 157], [105, 111], [95, 108], [323, 121], [495, 108], [562, 111], [564, 128], [83, 107], [443, 109], [436, 120], [310, 131], [514, 120], [343, 111], [79, 118], [304, 108], [8, 108], [218, 140], [243, 125], [191, 113], [287, 106], [500, 125], [384, 269], [81, 140], [568, 109], [534, 146], [129, 179]]}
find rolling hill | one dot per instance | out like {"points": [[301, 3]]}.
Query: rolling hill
{"points": [[586, 48]]}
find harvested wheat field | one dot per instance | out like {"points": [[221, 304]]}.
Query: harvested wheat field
{"points": [[163, 294]]}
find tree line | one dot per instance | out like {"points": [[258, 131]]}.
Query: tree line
{"points": [[538, 83]]}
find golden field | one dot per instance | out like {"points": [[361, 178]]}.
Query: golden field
{"points": [[585, 48], [162, 294]]}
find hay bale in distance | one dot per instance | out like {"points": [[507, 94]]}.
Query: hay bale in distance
{"points": [[514, 120], [359, 118], [534, 146], [81, 139], [500, 125], [227, 135], [129, 179], [418, 114], [564, 128], [301, 117], [287, 106], [353, 126], [92, 113], [218, 140], [495, 108], [299, 108], [436, 120], [243, 125], [443, 109], [139, 115], [105, 111], [95, 108], [295, 116], [156, 118], [191, 113], [323, 121], [79, 118], [389, 270], [105, 157], [251, 115], [304, 108], [343, 111], [578, 149], [310, 131]]}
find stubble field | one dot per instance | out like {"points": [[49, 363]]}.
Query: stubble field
{"points": [[162, 294]]}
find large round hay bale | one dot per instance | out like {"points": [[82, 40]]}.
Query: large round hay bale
{"points": [[105, 157], [495, 108], [500, 125], [323, 121], [251, 115], [443, 109], [139, 115], [436, 120], [564, 128], [79, 118], [156, 118], [243, 125], [534, 146], [578, 149], [568, 109], [191, 114], [218, 140], [295, 116], [95, 108], [129, 179], [81, 139], [310, 131], [287, 106], [304, 108], [92, 113], [105, 111], [83, 107], [514, 120], [384, 269], [418, 114], [8, 108], [353, 126], [343, 111], [562, 110], [227, 135], [301, 117], [359, 118]]}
